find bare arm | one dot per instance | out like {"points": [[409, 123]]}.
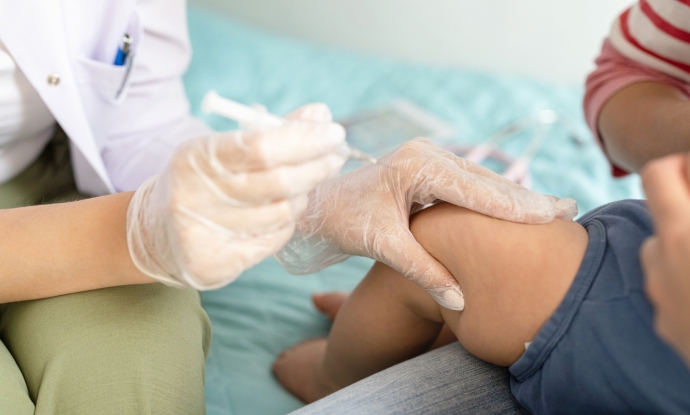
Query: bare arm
{"points": [[64, 248], [644, 121]]}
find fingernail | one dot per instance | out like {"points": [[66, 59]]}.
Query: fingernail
{"points": [[451, 298], [566, 209]]}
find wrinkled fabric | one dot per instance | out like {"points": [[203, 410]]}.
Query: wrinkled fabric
{"points": [[444, 381]]}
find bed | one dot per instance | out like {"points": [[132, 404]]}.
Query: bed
{"points": [[267, 310]]}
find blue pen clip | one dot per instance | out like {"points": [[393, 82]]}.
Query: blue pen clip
{"points": [[123, 51]]}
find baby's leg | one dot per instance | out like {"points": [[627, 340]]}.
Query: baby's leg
{"points": [[386, 320], [513, 276]]}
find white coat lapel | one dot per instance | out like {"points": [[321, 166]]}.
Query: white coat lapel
{"points": [[33, 31]]}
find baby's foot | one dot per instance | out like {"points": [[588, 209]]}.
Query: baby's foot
{"points": [[298, 369], [329, 303]]}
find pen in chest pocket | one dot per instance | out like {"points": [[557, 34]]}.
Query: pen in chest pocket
{"points": [[123, 51], [124, 57]]}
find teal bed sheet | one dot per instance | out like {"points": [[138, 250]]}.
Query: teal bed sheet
{"points": [[267, 310]]}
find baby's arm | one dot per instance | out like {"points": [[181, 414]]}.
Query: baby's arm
{"points": [[645, 121], [513, 276], [636, 99]]}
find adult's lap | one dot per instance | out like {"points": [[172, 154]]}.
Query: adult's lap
{"points": [[447, 380], [132, 349]]}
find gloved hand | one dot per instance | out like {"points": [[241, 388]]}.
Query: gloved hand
{"points": [[229, 200], [367, 211]]}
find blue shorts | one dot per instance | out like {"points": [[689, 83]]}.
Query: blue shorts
{"points": [[598, 353]]}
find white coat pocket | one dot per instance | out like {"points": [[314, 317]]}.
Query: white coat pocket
{"points": [[103, 79], [107, 81]]}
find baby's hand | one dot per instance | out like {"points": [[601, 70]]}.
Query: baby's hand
{"points": [[666, 255]]}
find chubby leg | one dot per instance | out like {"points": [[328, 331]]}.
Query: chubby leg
{"points": [[371, 332], [126, 350], [331, 303], [513, 276]]}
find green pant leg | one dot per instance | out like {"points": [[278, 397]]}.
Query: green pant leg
{"points": [[14, 396], [125, 350]]}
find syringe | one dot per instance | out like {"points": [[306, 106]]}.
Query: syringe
{"points": [[215, 104]]}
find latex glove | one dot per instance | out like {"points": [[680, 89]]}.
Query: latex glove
{"points": [[367, 211], [666, 255], [229, 200]]}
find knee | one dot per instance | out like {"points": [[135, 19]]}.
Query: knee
{"points": [[142, 344], [143, 316]]}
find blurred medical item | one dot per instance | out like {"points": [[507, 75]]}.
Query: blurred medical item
{"points": [[518, 167], [250, 117], [382, 130], [226, 201]]}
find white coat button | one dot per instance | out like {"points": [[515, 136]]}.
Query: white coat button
{"points": [[53, 79]]}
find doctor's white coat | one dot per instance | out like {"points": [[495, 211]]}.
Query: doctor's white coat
{"points": [[123, 122]]}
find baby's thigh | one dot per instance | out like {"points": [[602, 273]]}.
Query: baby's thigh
{"points": [[513, 275]]}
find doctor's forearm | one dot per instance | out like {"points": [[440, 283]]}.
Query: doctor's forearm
{"points": [[64, 248], [645, 121]]}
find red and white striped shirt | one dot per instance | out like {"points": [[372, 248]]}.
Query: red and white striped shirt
{"points": [[656, 33]]}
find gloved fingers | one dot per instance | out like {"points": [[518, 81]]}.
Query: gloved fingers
{"points": [[266, 147], [265, 186], [432, 150], [245, 221], [566, 208], [496, 199], [485, 172], [298, 259], [208, 261], [180, 250], [402, 252], [317, 112]]}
